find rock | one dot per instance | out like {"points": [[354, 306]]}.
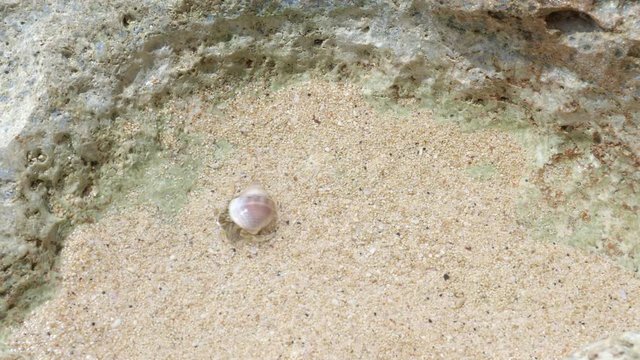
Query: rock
{"points": [[74, 73], [625, 346]]}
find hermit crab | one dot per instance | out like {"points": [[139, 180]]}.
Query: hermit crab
{"points": [[252, 215]]}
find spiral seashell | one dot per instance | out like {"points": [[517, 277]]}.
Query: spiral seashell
{"points": [[253, 210]]}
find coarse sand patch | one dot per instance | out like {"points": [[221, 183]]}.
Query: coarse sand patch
{"points": [[397, 237]]}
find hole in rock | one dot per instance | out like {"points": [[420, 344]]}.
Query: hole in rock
{"points": [[571, 22], [634, 51], [127, 19]]}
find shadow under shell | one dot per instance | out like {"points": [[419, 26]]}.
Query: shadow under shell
{"points": [[233, 233]]}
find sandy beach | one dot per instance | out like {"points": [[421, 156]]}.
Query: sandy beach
{"points": [[397, 238]]}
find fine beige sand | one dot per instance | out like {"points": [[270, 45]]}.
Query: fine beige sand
{"points": [[397, 238]]}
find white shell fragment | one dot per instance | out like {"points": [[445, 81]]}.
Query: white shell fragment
{"points": [[253, 210]]}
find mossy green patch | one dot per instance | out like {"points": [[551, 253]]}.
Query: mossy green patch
{"points": [[223, 149], [483, 172], [166, 183]]}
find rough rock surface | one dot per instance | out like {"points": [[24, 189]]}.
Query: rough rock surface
{"points": [[73, 74], [625, 346]]}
